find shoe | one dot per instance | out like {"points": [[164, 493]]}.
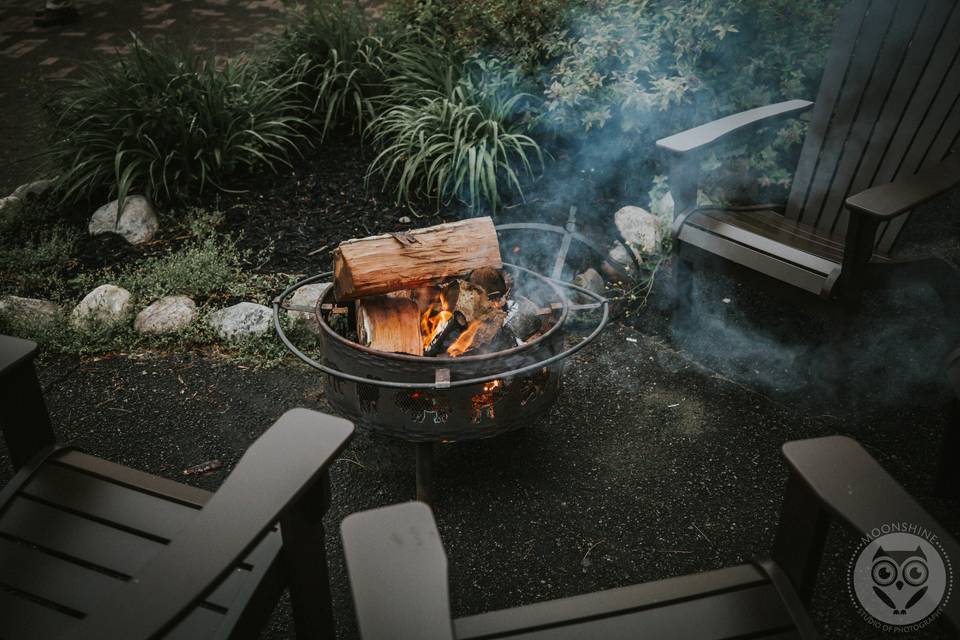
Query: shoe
{"points": [[56, 17]]}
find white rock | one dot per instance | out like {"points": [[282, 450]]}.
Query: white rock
{"points": [[242, 320], [33, 188], [106, 303], [591, 281], [166, 315], [404, 219], [138, 223], [640, 228], [620, 255], [10, 203], [32, 310], [307, 296]]}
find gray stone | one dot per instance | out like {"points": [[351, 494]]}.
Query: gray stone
{"points": [[107, 303], [138, 222], [640, 229], [404, 220], [620, 255], [591, 281], [242, 320], [307, 296], [10, 203], [29, 310], [33, 189], [166, 315]]}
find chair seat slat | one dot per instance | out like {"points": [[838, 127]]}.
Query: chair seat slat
{"points": [[113, 503]]}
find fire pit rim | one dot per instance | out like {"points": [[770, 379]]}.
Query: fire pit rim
{"points": [[601, 302]]}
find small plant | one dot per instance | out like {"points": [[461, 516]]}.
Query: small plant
{"points": [[444, 135], [344, 62], [170, 124], [35, 265]]}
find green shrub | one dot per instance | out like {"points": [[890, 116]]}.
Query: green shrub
{"points": [[169, 124], [200, 269], [35, 264], [344, 61], [450, 130]]}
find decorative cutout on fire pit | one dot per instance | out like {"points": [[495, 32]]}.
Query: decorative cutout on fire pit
{"points": [[417, 404], [532, 387], [368, 396]]}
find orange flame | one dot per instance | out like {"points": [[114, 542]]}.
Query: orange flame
{"points": [[464, 341], [433, 320]]}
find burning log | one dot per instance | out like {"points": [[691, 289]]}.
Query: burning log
{"points": [[523, 318], [471, 303], [389, 324], [381, 264], [480, 332], [490, 280]]}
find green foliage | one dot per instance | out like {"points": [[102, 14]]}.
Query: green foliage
{"points": [[617, 75], [343, 57], [35, 251], [450, 130], [169, 124]]}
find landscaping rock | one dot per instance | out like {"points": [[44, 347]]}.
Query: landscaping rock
{"points": [[166, 315], [242, 320], [29, 310], [404, 220], [640, 229], [307, 296], [591, 280], [10, 203], [138, 222], [33, 189], [107, 303], [619, 254]]}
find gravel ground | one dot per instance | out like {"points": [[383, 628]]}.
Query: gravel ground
{"points": [[654, 465]]}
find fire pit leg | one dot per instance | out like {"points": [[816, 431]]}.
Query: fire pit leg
{"points": [[425, 472]]}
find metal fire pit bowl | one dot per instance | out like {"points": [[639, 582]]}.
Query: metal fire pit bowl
{"points": [[426, 399]]}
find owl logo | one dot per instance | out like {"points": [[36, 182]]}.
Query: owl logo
{"points": [[899, 578]]}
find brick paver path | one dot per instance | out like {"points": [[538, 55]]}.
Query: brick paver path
{"points": [[33, 60]]}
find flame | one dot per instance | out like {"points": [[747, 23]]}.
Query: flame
{"points": [[464, 341], [483, 403], [433, 320]]}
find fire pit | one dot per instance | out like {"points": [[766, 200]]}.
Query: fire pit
{"points": [[425, 399]]}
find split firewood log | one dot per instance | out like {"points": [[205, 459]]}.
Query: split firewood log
{"points": [[381, 264], [389, 324]]}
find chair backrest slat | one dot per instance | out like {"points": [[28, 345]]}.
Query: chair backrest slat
{"points": [[834, 76], [891, 114]]}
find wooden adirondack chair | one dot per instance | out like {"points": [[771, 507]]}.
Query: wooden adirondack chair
{"points": [[948, 481], [398, 569], [91, 549], [882, 130]]}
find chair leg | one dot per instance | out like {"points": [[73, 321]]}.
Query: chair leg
{"points": [[682, 288], [801, 536], [24, 418], [305, 562]]}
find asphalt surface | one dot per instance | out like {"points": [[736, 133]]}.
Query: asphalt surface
{"points": [[648, 466]]}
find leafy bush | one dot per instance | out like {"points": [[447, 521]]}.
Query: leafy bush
{"points": [[36, 263], [344, 61], [203, 268], [168, 124], [617, 75], [452, 130]]}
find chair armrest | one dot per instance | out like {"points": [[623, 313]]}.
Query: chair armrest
{"points": [[712, 132], [891, 199], [854, 487], [398, 573], [14, 352], [277, 469]]}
